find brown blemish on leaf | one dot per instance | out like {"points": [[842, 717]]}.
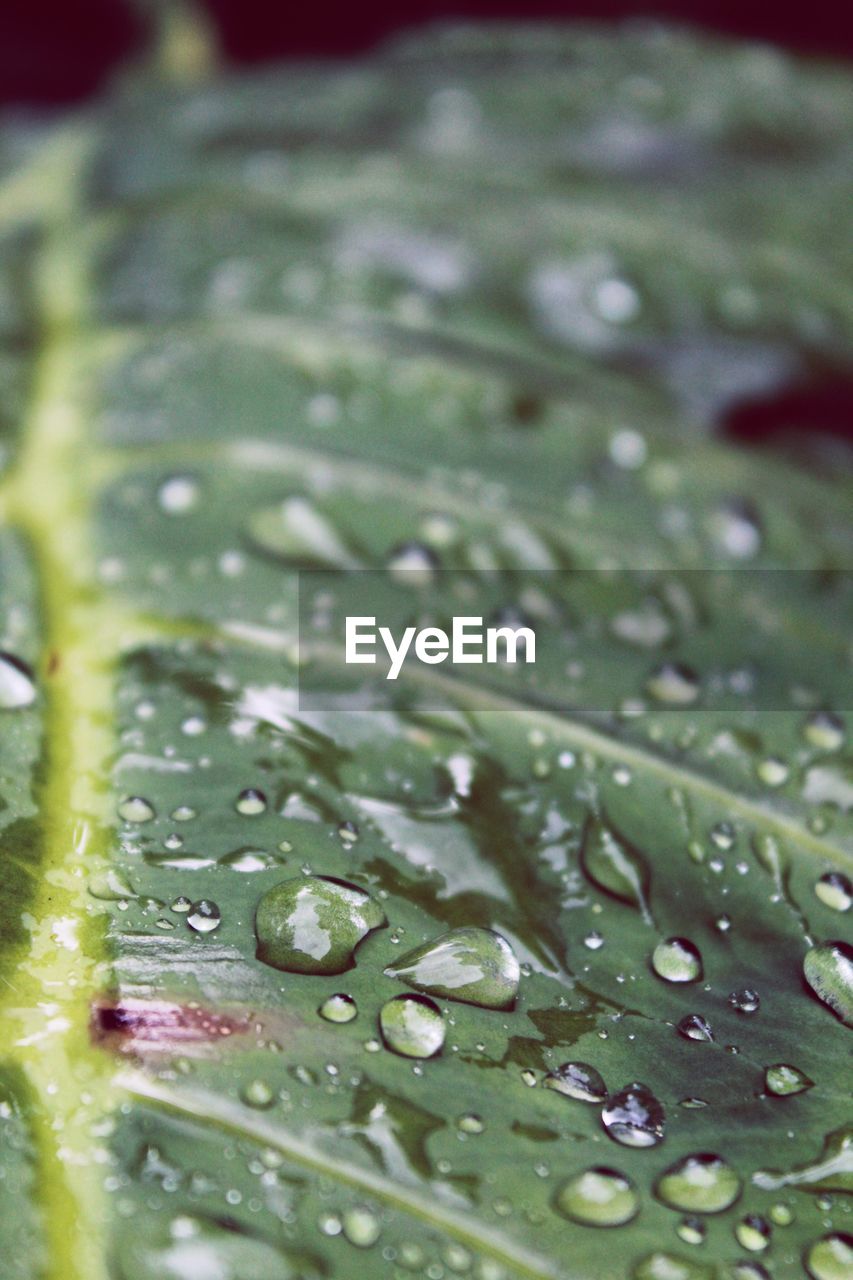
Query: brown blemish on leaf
{"points": [[145, 1027]]}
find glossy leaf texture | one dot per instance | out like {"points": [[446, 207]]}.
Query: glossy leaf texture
{"points": [[542, 972]]}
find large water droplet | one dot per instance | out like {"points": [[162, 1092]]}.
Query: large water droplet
{"points": [[475, 966], [835, 890], [831, 1258], [598, 1197], [338, 1008], [412, 1026], [616, 866], [783, 1080], [702, 1183], [634, 1117], [828, 970], [312, 924], [17, 683], [577, 1080], [677, 960]]}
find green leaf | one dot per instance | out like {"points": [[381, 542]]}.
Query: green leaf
{"points": [[475, 305]]}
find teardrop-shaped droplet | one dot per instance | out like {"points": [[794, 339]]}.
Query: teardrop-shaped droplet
{"points": [[297, 530], [634, 1116], [598, 1197], [828, 970], [136, 809], [745, 1000], [673, 684], [312, 924], [472, 965], [577, 1080], [694, 1027], [412, 1026], [753, 1233], [338, 1008], [677, 960], [248, 861], [702, 1183], [831, 1257], [835, 890], [668, 1266], [17, 683], [204, 916], [783, 1080], [615, 866], [111, 886]]}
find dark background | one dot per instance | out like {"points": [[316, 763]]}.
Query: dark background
{"points": [[60, 51]]}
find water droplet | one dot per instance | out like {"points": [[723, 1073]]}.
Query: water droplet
{"points": [[251, 802], [577, 1080], [723, 923], [297, 530], [247, 861], [110, 886], [668, 1266], [258, 1094], [835, 890], [694, 1027], [677, 960], [831, 1258], [783, 1080], [413, 564], [470, 1123], [17, 683], [745, 1000], [673, 684], [753, 1233], [615, 866], [773, 772], [136, 809], [781, 1214], [828, 970], [204, 916], [743, 1269], [348, 832], [312, 924], [691, 1230], [723, 835], [824, 730], [634, 1117], [412, 1026], [702, 1183], [338, 1008], [183, 813], [181, 905], [736, 530], [361, 1226], [472, 965], [598, 1197], [178, 495]]}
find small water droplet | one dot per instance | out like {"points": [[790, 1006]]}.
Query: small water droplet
{"points": [[781, 1214], [348, 832], [178, 495], [312, 924], [338, 1008], [577, 1080], [824, 730], [736, 530], [677, 960], [753, 1233], [472, 965], [413, 564], [470, 1123], [412, 1026], [673, 684], [783, 1080], [136, 809], [615, 866], [772, 771], [183, 813], [634, 1117], [181, 905], [694, 1027], [745, 1000], [247, 861], [361, 1226], [251, 802], [723, 835], [702, 1183], [668, 1266], [835, 890], [598, 1197], [17, 683], [257, 1094], [204, 916], [828, 970], [691, 1230]]}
